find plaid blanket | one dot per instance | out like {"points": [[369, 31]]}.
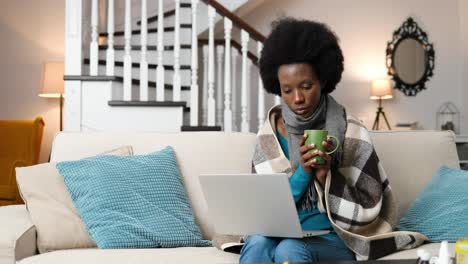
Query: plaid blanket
{"points": [[357, 196]]}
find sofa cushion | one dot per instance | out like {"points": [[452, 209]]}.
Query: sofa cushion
{"points": [[197, 153], [439, 211], [411, 158], [192, 255], [18, 235], [132, 202], [52, 211]]}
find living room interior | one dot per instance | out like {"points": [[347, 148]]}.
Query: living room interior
{"points": [[60, 76], [34, 35]]}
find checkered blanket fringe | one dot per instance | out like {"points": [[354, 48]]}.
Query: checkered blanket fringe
{"points": [[357, 196]]}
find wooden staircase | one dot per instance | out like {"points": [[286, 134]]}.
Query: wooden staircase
{"points": [[185, 67], [118, 102]]}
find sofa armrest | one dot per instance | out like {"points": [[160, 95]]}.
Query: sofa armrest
{"points": [[17, 234]]}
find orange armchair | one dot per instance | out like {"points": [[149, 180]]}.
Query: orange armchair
{"points": [[20, 144]]}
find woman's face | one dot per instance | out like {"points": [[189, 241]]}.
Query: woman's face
{"points": [[300, 88]]}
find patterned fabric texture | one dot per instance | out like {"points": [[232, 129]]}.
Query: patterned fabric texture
{"points": [[357, 196], [440, 210], [132, 202]]}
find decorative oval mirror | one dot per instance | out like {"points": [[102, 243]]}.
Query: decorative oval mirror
{"points": [[410, 58]]}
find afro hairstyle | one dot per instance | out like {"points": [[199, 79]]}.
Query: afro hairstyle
{"points": [[301, 41]]}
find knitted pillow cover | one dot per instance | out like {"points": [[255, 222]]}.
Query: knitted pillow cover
{"points": [[133, 202], [440, 210]]}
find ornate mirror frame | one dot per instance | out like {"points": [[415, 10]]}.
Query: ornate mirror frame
{"points": [[410, 30]]}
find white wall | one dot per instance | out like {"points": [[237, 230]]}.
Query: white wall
{"points": [[31, 32], [463, 8], [364, 27]]}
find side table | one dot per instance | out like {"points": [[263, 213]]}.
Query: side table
{"points": [[462, 148]]}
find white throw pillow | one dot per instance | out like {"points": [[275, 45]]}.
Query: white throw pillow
{"points": [[58, 224]]}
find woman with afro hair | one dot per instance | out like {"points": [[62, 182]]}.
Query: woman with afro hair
{"points": [[349, 195]]}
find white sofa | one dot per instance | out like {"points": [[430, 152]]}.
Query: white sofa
{"points": [[410, 159]]}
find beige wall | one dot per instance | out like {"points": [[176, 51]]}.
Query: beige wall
{"points": [[464, 32], [364, 27], [31, 32]]}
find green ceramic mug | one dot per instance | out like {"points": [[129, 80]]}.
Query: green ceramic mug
{"points": [[317, 137]]}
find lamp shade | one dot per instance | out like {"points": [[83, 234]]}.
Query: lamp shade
{"points": [[52, 80], [381, 89]]}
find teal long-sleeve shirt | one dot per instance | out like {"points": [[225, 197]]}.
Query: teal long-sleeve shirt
{"points": [[299, 182]]}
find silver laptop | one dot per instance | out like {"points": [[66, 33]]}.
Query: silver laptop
{"points": [[246, 204]]}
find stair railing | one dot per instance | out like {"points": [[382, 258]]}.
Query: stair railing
{"points": [[219, 104], [248, 34]]}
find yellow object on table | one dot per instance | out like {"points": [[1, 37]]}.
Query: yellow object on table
{"points": [[461, 249]]}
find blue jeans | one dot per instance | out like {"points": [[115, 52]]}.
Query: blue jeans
{"points": [[260, 249]]}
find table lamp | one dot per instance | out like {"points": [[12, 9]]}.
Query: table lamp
{"points": [[53, 84], [381, 90]]}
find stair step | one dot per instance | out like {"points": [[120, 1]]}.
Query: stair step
{"points": [[185, 74], [151, 84], [166, 14], [119, 79], [89, 78], [185, 36], [149, 47], [200, 128], [120, 103], [147, 103], [185, 54], [150, 30], [137, 65]]}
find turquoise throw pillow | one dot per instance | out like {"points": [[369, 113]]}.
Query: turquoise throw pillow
{"points": [[440, 211], [132, 201]]}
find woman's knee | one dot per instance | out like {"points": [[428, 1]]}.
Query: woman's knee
{"points": [[292, 250], [260, 241], [258, 249]]}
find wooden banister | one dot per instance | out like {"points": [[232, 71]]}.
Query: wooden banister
{"points": [[235, 44], [236, 20]]}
